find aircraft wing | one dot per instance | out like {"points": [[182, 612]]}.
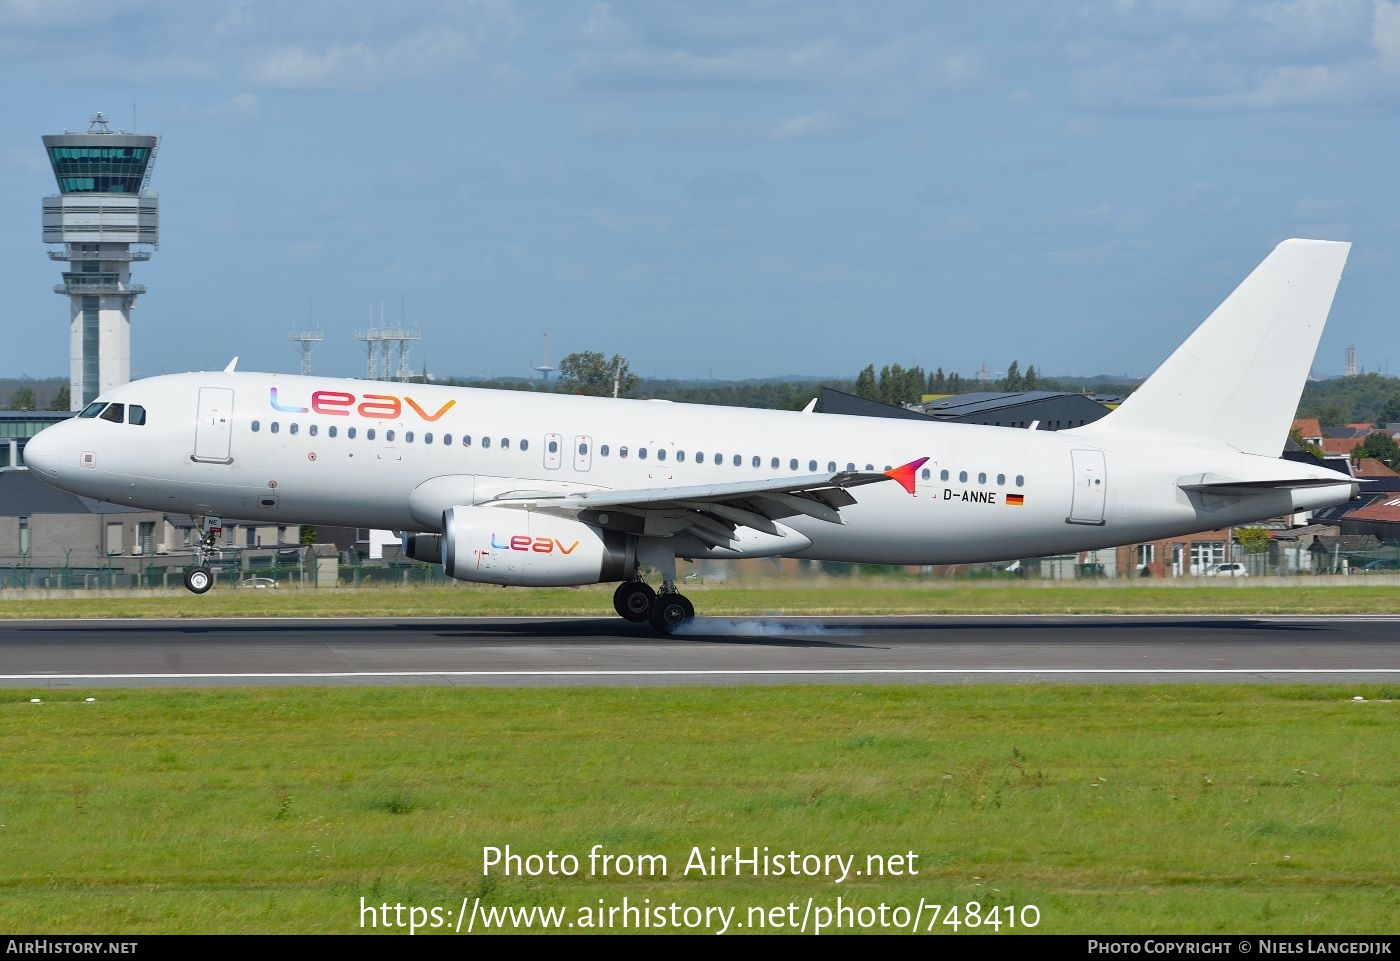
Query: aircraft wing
{"points": [[712, 513]]}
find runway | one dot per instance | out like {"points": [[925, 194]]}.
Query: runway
{"points": [[776, 650]]}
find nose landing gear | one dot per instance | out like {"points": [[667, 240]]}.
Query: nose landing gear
{"points": [[200, 578]]}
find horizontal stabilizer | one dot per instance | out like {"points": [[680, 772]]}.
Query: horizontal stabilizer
{"points": [[1210, 484]]}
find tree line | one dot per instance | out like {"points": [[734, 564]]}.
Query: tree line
{"points": [[26, 393]]}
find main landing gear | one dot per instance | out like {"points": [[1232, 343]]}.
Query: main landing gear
{"points": [[666, 611], [200, 578]]}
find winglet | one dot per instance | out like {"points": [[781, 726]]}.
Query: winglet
{"points": [[905, 474], [232, 366]]}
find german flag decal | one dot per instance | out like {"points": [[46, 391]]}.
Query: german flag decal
{"points": [[1016, 500]]}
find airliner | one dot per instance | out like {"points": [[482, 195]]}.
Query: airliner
{"points": [[542, 489]]}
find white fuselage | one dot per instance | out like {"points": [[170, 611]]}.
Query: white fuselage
{"points": [[280, 448]]}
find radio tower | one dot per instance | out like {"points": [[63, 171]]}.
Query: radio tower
{"points": [[545, 368]]}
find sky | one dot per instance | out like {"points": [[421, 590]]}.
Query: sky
{"points": [[710, 188]]}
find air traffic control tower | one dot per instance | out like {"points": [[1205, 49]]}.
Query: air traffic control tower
{"points": [[101, 212]]}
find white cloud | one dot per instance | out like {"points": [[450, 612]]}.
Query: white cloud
{"points": [[815, 124], [361, 66], [241, 105], [1385, 32]]}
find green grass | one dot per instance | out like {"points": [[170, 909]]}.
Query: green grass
{"points": [[1178, 809], [828, 596]]}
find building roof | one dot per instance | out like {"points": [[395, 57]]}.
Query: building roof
{"points": [[960, 405], [831, 401], [1308, 427], [1341, 445], [1372, 467], [1384, 508], [23, 492]]}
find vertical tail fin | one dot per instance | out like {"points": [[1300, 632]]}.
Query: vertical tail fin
{"points": [[1235, 382]]}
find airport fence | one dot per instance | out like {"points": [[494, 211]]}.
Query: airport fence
{"points": [[355, 572]]}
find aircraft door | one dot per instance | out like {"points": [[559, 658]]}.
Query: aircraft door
{"points": [[583, 452], [1090, 488], [553, 451], [213, 427]]}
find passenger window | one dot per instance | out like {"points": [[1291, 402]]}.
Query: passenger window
{"points": [[312, 430], [699, 457], [641, 453], [331, 431], [757, 461], [831, 466], [524, 444], [388, 436], [582, 449], [660, 453], [738, 459], [792, 464], [775, 463], [136, 414], [603, 450], [408, 437], [274, 427], [1001, 480], [982, 477], [293, 428], [466, 440], [369, 433], [719, 459], [93, 409], [553, 447], [428, 438], [446, 440], [622, 452], [812, 466], [943, 475], [1020, 481], [350, 432], [850, 466], [485, 442], [872, 467], [116, 413], [680, 456], [927, 473], [256, 426], [962, 476], [505, 443]]}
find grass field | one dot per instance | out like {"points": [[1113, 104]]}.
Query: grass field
{"points": [[1261, 809], [826, 596], [1178, 809]]}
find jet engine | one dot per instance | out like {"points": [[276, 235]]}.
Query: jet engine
{"points": [[497, 545], [423, 547]]}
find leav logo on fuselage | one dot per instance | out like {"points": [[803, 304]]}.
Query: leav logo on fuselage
{"points": [[339, 403], [539, 545]]}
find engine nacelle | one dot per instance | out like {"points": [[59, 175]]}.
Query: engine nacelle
{"points": [[423, 547], [497, 545]]}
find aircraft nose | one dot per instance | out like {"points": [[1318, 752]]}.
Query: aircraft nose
{"points": [[42, 453]]}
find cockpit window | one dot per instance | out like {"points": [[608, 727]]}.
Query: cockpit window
{"points": [[93, 409], [136, 414], [116, 413]]}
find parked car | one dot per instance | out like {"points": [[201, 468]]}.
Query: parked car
{"points": [[258, 583], [1227, 570], [1384, 565]]}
